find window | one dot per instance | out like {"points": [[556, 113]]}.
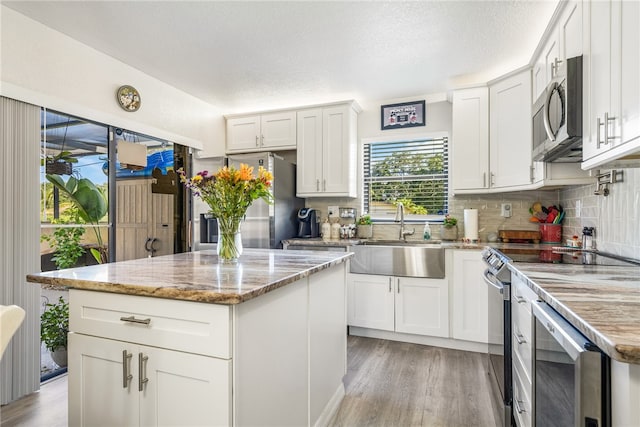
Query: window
{"points": [[414, 172]]}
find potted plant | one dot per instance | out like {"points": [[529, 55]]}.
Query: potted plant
{"points": [[65, 242], [365, 227], [91, 204], [60, 164], [449, 228], [54, 326]]}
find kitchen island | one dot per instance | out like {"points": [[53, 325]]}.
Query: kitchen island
{"points": [[183, 340]]}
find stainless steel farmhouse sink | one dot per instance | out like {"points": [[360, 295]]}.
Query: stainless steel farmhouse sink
{"points": [[426, 243], [398, 258]]}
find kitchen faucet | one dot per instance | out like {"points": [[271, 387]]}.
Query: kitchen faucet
{"points": [[400, 217]]}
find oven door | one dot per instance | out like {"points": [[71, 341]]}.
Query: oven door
{"points": [[499, 360], [571, 374]]}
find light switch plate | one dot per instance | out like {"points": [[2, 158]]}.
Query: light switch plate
{"points": [[506, 210], [333, 211]]}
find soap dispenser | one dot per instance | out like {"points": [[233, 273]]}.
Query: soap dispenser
{"points": [[426, 234]]}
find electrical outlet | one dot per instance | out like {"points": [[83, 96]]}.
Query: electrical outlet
{"points": [[506, 210], [333, 211]]}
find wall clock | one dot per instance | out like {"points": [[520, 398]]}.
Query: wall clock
{"points": [[128, 98]]}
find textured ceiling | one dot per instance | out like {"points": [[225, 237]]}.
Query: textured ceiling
{"points": [[253, 55]]}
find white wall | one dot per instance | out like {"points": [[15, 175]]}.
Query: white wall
{"points": [[47, 68]]}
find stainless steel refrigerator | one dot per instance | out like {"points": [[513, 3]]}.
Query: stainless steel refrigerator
{"points": [[265, 226]]}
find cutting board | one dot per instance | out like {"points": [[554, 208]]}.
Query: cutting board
{"points": [[519, 236]]}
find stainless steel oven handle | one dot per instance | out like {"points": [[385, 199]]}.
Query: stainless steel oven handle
{"points": [[569, 338], [488, 279], [546, 121]]}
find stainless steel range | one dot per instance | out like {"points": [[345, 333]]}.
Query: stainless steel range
{"points": [[498, 277]]}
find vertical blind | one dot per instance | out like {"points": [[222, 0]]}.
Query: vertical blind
{"points": [[414, 172], [20, 243]]}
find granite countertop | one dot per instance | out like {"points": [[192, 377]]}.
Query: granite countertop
{"points": [[602, 302], [196, 276]]}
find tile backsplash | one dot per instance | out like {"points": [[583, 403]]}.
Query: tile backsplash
{"points": [[615, 217]]}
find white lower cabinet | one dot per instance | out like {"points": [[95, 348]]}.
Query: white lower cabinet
{"points": [[469, 296], [401, 304], [121, 383]]}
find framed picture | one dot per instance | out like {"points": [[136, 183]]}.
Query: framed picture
{"points": [[405, 115]]}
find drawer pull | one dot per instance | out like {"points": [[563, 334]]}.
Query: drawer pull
{"points": [[520, 300], [132, 319], [520, 339], [126, 374], [519, 408], [142, 371]]}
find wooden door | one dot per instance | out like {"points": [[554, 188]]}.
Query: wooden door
{"points": [[144, 220]]}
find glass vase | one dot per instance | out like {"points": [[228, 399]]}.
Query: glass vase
{"points": [[229, 240]]}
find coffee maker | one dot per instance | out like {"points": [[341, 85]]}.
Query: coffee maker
{"points": [[307, 223]]}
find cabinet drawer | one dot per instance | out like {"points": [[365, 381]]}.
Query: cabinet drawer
{"points": [[522, 320], [523, 295], [522, 349], [176, 325], [522, 404]]}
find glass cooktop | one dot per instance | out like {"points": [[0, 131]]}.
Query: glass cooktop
{"points": [[566, 255]]}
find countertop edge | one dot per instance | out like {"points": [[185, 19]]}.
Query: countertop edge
{"points": [[194, 295], [620, 352]]}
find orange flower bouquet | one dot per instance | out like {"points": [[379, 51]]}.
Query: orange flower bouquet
{"points": [[229, 192]]}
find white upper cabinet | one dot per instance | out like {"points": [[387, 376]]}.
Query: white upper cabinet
{"points": [[510, 131], [491, 147], [263, 132], [470, 142], [565, 41], [326, 154], [612, 88]]}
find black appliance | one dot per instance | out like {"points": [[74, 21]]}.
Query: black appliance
{"points": [[572, 375], [208, 228], [498, 277], [557, 116], [307, 223]]}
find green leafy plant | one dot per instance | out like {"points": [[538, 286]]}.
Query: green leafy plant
{"points": [[66, 245], [54, 325], [411, 207], [449, 221], [364, 220], [63, 156], [91, 204]]}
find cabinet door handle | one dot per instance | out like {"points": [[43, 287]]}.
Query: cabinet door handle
{"points": [[126, 373], [142, 371], [607, 119], [484, 179], [398, 282], [317, 185], [132, 319], [492, 179], [519, 408], [520, 339], [390, 284], [598, 126], [324, 185], [257, 142], [519, 299], [261, 140]]}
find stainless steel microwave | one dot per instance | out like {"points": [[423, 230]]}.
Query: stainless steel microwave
{"points": [[557, 116]]}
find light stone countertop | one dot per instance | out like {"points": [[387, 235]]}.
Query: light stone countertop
{"points": [[196, 276], [602, 302]]}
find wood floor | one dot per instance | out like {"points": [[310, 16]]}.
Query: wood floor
{"points": [[400, 384], [388, 384]]}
